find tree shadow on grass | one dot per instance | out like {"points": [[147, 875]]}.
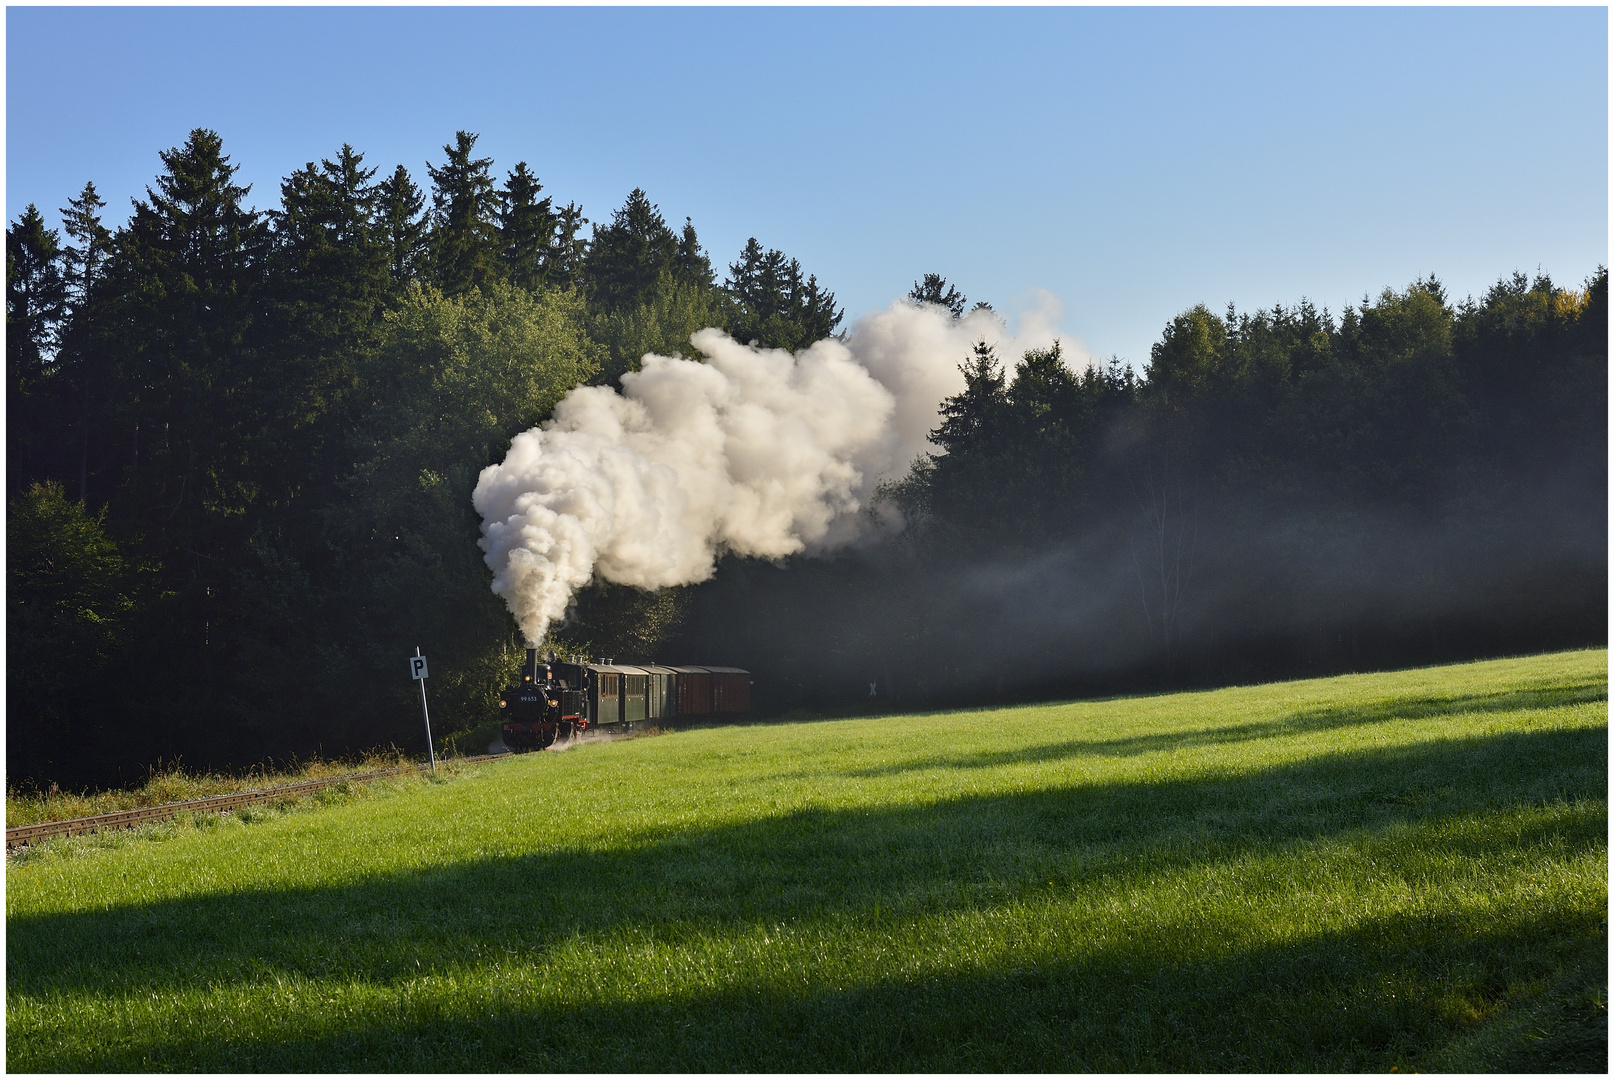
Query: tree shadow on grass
{"points": [[887, 867], [1387, 992], [1297, 723]]}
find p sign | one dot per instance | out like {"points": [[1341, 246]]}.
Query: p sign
{"points": [[417, 671]]}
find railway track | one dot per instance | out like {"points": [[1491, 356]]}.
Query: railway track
{"points": [[23, 835]]}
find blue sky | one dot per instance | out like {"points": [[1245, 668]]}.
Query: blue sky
{"points": [[1133, 162]]}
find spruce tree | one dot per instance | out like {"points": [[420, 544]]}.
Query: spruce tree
{"points": [[329, 242], [330, 280], [972, 421], [772, 306], [195, 227], [465, 222], [569, 248], [398, 208], [36, 297], [189, 267], [526, 229], [628, 256], [85, 258], [83, 354], [692, 265], [933, 289]]}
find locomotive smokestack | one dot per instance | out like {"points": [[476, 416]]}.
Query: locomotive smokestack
{"points": [[532, 665]]}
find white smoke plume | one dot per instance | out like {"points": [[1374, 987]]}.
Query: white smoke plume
{"points": [[755, 451]]}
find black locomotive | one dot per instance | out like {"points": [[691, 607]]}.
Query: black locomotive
{"points": [[555, 700], [547, 702]]}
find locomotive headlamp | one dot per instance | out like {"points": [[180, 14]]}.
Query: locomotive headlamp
{"points": [[527, 677], [501, 703]]}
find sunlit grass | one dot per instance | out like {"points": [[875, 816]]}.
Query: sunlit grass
{"points": [[1405, 870]]}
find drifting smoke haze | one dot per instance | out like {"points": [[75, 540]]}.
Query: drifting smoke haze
{"points": [[758, 452]]}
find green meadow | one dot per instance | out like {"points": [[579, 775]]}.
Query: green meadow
{"points": [[1373, 872]]}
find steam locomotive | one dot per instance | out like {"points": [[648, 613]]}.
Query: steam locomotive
{"points": [[557, 700]]}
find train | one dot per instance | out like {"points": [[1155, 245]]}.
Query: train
{"points": [[557, 700]]}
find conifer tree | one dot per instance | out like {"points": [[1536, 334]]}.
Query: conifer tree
{"points": [[83, 355], [628, 256], [972, 419], [773, 306], [85, 258], [36, 297], [195, 230], [570, 248], [526, 229], [328, 241], [933, 289], [189, 267], [330, 279], [692, 265], [398, 207], [465, 222]]}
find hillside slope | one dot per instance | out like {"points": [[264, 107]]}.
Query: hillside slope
{"points": [[1396, 870]]}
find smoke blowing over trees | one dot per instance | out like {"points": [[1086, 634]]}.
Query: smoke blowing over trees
{"points": [[755, 452], [243, 445], [1282, 493]]}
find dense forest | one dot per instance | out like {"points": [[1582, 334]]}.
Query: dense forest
{"points": [[240, 447]]}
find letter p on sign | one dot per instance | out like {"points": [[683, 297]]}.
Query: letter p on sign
{"points": [[417, 667]]}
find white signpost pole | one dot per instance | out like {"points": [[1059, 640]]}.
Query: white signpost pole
{"points": [[417, 671]]}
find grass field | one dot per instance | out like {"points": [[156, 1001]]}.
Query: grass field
{"points": [[172, 783], [1404, 870]]}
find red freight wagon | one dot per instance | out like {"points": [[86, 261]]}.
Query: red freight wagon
{"points": [[731, 690], [694, 691]]}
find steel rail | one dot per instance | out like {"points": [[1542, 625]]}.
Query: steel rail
{"points": [[124, 819]]}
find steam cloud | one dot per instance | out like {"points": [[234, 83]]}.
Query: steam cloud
{"points": [[754, 451]]}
